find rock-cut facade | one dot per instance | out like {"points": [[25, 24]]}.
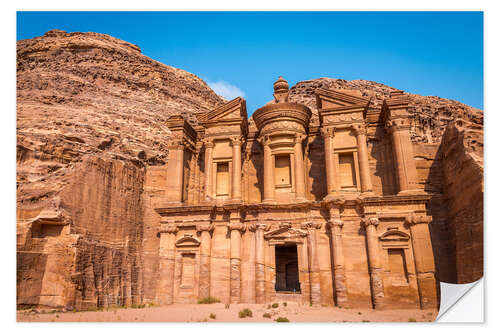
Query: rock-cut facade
{"points": [[277, 208]]}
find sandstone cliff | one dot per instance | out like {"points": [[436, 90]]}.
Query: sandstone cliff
{"points": [[91, 94], [91, 113]]}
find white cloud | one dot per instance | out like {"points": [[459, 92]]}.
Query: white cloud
{"points": [[226, 89]]}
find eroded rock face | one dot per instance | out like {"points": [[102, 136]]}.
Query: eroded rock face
{"points": [[91, 112], [91, 94], [463, 172]]}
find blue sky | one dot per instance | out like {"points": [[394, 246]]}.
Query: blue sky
{"points": [[427, 53]]}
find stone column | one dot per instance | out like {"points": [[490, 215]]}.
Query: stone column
{"points": [[377, 284], [235, 228], [338, 257], [403, 153], [205, 252], [328, 134], [175, 171], [424, 259], [260, 286], [300, 185], [209, 145], [364, 167], [312, 253], [167, 264], [268, 171], [236, 177]]}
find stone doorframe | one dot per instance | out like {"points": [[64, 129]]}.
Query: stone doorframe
{"points": [[285, 234]]}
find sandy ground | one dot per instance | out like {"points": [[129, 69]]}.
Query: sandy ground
{"points": [[202, 312]]}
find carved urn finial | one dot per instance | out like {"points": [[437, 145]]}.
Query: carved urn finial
{"points": [[281, 90]]}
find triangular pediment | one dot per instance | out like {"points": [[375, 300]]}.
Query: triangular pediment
{"points": [[329, 98], [234, 109], [285, 232]]}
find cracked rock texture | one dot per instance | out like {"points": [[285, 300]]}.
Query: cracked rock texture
{"points": [[91, 113]]}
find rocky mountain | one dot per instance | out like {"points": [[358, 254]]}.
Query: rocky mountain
{"points": [[82, 94]]}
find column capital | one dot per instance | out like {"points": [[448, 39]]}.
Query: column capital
{"points": [[328, 132], [299, 137], [370, 220], [264, 140], [418, 218], [236, 226], [335, 222], [310, 225], [259, 226], [359, 129], [397, 124], [209, 227], [175, 144], [169, 229], [236, 140], [208, 142]]}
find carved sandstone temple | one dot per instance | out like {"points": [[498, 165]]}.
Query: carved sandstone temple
{"points": [[278, 208]]}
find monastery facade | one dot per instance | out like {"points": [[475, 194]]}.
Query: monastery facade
{"points": [[278, 208]]}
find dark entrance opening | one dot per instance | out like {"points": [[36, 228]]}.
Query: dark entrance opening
{"points": [[287, 268]]}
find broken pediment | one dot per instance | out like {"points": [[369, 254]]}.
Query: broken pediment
{"points": [[328, 99], [233, 110]]}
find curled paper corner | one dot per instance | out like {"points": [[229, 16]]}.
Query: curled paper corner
{"points": [[461, 302]]}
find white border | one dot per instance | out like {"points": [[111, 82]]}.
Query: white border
{"points": [[492, 116]]}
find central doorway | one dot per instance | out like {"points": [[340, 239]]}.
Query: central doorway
{"points": [[287, 268]]}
